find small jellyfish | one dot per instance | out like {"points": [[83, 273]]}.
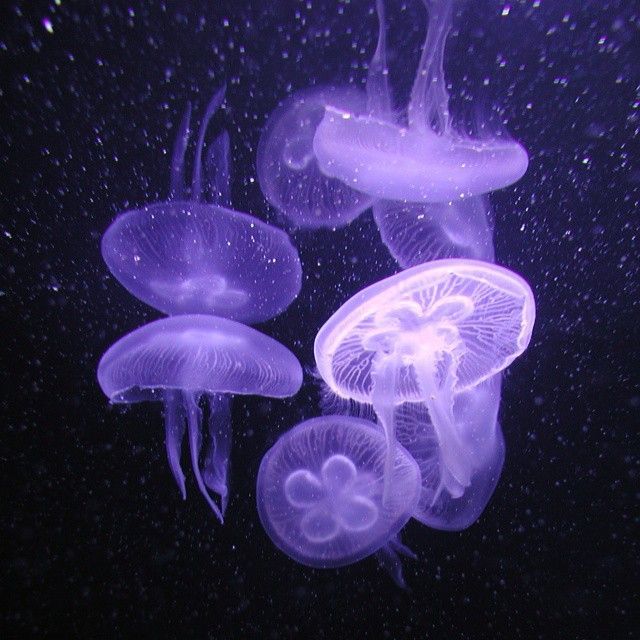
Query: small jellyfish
{"points": [[288, 172], [416, 233], [475, 413], [423, 335], [186, 256], [426, 159], [192, 360], [319, 493]]}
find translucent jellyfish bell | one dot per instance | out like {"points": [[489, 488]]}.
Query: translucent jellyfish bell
{"points": [[186, 256], [187, 360], [288, 172], [475, 414], [320, 487], [426, 160], [423, 335], [416, 233]]}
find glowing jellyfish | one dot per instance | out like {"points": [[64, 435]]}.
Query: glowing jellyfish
{"points": [[423, 335], [288, 172], [320, 487], [185, 256], [475, 414], [193, 360], [416, 233], [426, 160]]}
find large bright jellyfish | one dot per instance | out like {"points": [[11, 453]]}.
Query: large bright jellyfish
{"points": [[426, 160], [475, 412], [193, 360], [186, 256], [287, 168], [424, 335], [320, 492]]}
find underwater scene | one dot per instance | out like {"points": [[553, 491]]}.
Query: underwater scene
{"points": [[320, 319]]}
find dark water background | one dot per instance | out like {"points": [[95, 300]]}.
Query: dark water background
{"points": [[94, 539]]}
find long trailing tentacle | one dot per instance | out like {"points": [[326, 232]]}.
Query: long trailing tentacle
{"points": [[177, 186], [212, 107], [194, 422], [175, 427]]}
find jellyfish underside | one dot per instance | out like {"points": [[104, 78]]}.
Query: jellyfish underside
{"points": [[183, 416], [430, 344]]}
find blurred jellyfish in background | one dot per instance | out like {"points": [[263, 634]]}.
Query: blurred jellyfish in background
{"points": [[426, 159], [319, 494], [475, 414], [423, 336], [188, 360], [288, 172], [188, 256], [416, 233]]}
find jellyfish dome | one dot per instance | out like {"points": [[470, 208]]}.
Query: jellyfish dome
{"points": [[185, 256], [189, 257], [319, 491], [421, 336], [416, 233], [475, 412], [424, 160], [188, 360], [288, 172]]}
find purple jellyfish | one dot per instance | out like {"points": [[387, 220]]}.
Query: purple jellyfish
{"points": [[426, 160], [185, 256], [475, 412], [319, 493], [189, 360], [416, 233], [421, 336], [288, 172]]}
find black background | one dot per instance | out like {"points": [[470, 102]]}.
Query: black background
{"points": [[95, 540]]}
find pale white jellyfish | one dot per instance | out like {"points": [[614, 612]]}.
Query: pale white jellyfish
{"points": [[424, 335], [425, 160]]}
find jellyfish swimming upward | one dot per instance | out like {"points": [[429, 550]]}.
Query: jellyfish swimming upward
{"points": [[190, 256], [192, 360], [423, 159]]}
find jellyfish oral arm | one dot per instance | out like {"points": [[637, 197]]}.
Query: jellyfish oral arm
{"points": [[388, 558], [216, 463], [177, 188], [217, 170], [194, 423], [383, 383], [439, 401], [175, 427]]}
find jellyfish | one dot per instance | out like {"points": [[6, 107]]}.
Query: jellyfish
{"points": [[319, 493], [186, 256], [421, 336], [475, 414], [288, 172], [416, 233], [191, 362], [424, 159]]}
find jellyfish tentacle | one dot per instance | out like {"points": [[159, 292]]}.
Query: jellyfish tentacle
{"points": [[212, 107], [215, 469], [217, 170], [378, 91], [388, 558], [175, 427], [429, 103], [194, 423], [439, 401], [177, 186], [384, 371]]}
